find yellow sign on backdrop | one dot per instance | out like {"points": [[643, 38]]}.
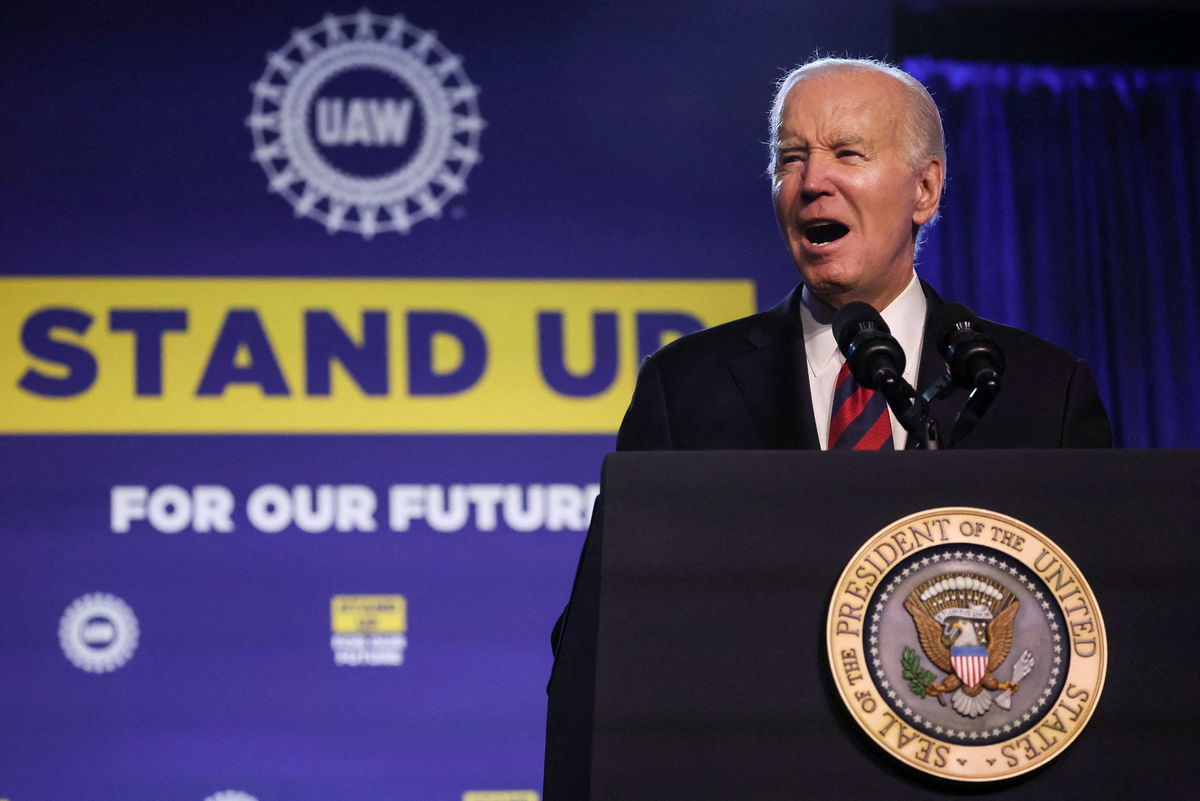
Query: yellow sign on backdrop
{"points": [[212, 355], [368, 614]]}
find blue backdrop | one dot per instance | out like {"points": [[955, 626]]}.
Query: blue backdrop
{"points": [[1073, 210], [181, 644]]}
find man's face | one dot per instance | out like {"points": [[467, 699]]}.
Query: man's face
{"points": [[846, 196]]}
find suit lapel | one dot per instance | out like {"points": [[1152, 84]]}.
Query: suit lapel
{"points": [[933, 367], [773, 380]]}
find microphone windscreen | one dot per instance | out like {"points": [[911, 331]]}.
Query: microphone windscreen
{"points": [[852, 318], [946, 319]]}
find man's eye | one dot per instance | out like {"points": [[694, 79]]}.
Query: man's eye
{"points": [[848, 153]]}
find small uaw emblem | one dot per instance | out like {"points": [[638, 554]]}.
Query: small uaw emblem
{"points": [[966, 644]]}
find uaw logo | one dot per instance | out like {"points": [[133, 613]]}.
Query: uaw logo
{"points": [[368, 630], [98, 632], [365, 123], [966, 644]]}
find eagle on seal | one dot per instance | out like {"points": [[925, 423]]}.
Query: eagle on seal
{"points": [[965, 626]]}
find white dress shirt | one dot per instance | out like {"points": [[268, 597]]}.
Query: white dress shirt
{"points": [[905, 316]]}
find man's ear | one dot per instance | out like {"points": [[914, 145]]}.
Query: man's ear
{"points": [[929, 191]]}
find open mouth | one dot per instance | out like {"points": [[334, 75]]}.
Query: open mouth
{"points": [[825, 232]]}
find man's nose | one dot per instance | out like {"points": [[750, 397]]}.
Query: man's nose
{"points": [[815, 179]]}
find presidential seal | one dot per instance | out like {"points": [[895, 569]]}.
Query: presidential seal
{"points": [[966, 644], [365, 123]]}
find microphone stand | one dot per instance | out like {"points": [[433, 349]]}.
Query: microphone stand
{"points": [[978, 401], [911, 410]]}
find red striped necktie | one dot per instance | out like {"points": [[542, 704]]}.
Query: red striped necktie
{"points": [[859, 420]]}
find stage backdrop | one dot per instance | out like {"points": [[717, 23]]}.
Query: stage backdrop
{"points": [[315, 324]]}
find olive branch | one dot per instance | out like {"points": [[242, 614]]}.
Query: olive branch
{"points": [[918, 678]]}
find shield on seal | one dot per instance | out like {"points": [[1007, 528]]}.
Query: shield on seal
{"points": [[970, 663]]}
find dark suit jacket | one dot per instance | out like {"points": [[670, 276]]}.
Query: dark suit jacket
{"points": [[744, 386]]}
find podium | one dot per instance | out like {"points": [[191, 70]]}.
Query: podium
{"points": [[692, 661]]}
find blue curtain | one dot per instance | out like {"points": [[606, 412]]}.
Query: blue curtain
{"points": [[1073, 210]]}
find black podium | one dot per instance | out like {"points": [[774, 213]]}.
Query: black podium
{"points": [[692, 661]]}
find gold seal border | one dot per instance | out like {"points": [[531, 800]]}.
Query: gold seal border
{"points": [[1066, 716]]}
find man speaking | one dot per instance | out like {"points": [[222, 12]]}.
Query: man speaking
{"points": [[858, 163]]}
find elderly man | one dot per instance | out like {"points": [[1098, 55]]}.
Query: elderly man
{"points": [[858, 164]]}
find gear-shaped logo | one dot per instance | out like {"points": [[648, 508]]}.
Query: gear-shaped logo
{"points": [[98, 633], [365, 123]]}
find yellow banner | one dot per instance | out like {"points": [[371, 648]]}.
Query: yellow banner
{"points": [[368, 614], [214, 355]]}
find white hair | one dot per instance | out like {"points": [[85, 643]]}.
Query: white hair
{"points": [[921, 132], [923, 136]]}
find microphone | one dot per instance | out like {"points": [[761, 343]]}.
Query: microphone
{"points": [[877, 362], [975, 361], [873, 354]]}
